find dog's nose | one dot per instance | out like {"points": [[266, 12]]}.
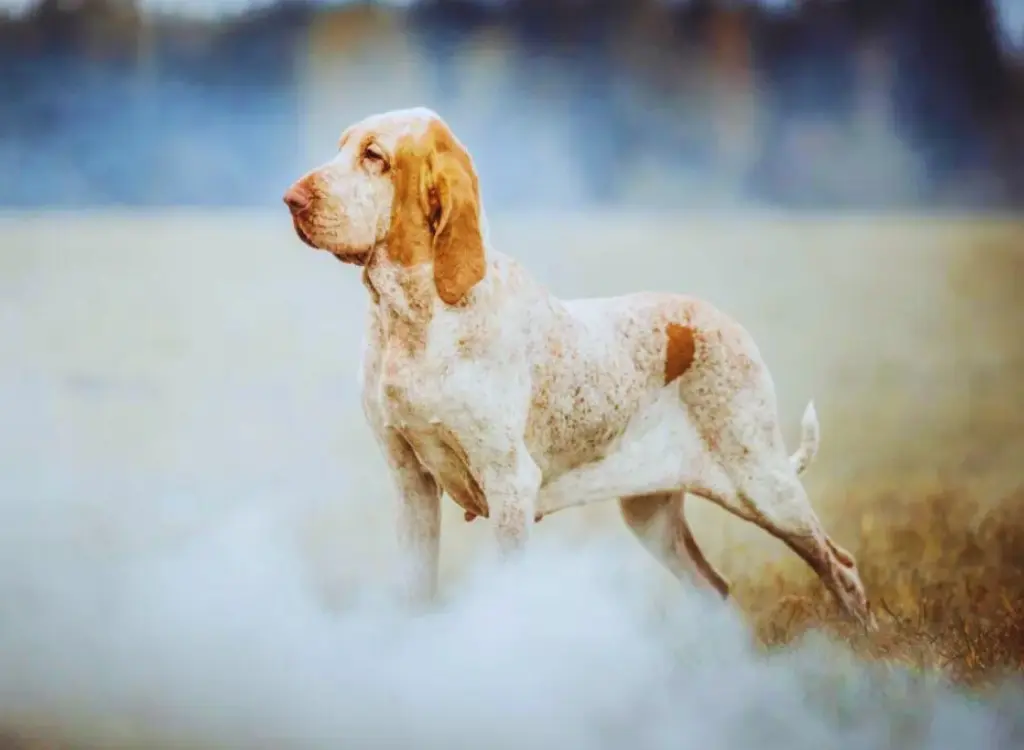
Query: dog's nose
{"points": [[298, 198]]}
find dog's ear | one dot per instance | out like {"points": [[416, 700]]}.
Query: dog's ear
{"points": [[451, 203]]}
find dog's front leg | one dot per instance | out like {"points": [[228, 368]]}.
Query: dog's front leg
{"points": [[419, 521], [511, 485]]}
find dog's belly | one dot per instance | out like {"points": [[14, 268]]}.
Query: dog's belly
{"points": [[574, 424], [439, 451], [660, 451]]}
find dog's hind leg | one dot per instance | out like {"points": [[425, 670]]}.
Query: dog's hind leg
{"points": [[658, 522]]}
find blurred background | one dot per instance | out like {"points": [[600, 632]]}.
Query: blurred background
{"points": [[843, 176], [650, 103]]}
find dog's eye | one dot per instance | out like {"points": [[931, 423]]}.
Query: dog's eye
{"points": [[372, 153]]}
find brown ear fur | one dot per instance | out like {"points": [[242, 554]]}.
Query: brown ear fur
{"points": [[409, 239], [451, 198], [436, 213]]}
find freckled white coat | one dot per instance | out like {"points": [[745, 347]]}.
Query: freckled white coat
{"points": [[479, 383]]}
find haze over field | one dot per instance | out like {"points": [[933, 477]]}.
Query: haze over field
{"points": [[195, 525]]}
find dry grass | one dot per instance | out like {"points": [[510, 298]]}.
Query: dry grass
{"points": [[946, 578]]}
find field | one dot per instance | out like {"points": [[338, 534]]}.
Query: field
{"points": [[191, 501]]}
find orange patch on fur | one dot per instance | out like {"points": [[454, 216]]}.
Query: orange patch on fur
{"points": [[679, 352]]}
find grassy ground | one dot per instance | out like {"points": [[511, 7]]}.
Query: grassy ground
{"points": [[945, 576], [217, 355]]}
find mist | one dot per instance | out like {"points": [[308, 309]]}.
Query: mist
{"points": [[219, 635], [219, 641]]}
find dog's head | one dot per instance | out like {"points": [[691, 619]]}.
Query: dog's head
{"points": [[403, 182]]}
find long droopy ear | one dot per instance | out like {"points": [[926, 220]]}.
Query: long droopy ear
{"points": [[452, 205]]}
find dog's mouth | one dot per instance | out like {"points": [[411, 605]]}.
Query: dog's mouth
{"points": [[349, 258]]}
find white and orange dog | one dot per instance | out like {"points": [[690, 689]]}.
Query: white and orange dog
{"points": [[479, 383]]}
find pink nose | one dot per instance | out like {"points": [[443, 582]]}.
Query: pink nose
{"points": [[298, 198]]}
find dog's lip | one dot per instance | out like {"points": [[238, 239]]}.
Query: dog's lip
{"points": [[351, 259], [348, 258], [302, 234]]}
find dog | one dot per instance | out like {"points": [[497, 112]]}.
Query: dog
{"points": [[479, 383]]}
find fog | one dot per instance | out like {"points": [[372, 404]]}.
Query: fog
{"points": [[220, 640]]}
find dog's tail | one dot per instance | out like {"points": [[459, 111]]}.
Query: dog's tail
{"points": [[810, 440]]}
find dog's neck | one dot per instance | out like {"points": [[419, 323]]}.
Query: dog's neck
{"points": [[404, 292], [405, 304], [410, 292]]}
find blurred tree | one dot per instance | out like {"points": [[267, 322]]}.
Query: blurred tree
{"points": [[951, 83], [604, 96]]}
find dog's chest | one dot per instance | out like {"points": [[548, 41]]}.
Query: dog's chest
{"points": [[415, 400], [407, 391], [440, 451]]}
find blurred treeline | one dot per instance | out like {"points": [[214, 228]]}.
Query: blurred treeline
{"points": [[829, 104]]}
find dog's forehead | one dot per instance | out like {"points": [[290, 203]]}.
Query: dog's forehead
{"points": [[389, 128]]}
